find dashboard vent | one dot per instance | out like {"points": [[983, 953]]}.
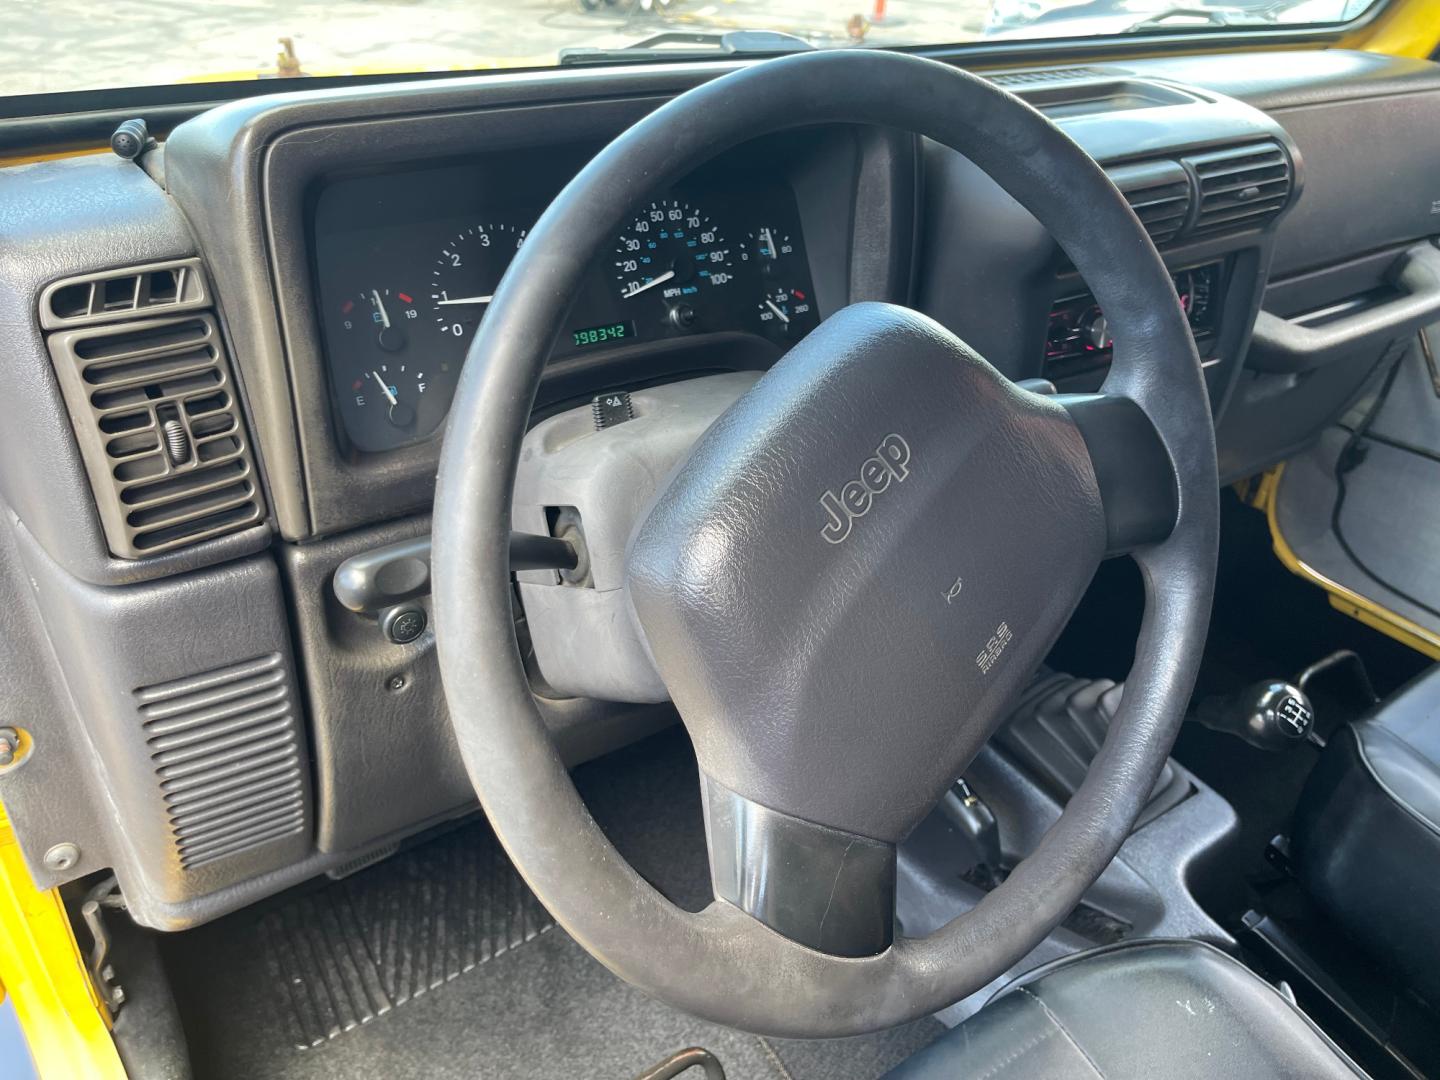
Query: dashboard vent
{"points": [[159, 288], [1240, 187], [1043, 76], [225, 747], [1158, 192], [160, 430]]}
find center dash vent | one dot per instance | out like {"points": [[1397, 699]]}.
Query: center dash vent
{"points": [[1241, 187], [160, 431], [1158, 192], [226, 751]]}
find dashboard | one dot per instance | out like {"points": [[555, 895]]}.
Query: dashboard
{"points": [[406, 264], [319, 261]]}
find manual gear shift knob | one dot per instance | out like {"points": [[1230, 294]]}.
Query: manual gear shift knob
{"points": [[1273, 715]]}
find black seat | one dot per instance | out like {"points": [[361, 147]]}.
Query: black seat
{"points": [[1366, 840], [1142, 1009]]}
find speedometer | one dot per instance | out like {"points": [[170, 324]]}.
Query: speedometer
{"points": [[673, 251]]}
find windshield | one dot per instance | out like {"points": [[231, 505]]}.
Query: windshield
{"points": [[62, 45]]}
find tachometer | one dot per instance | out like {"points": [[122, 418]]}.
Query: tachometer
{"points": [[672, 251], [469, 268]]}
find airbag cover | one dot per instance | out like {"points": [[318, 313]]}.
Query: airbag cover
{"points": [[859, 564]]}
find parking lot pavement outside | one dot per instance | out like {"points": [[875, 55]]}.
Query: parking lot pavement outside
{"points": [[54, 45]]}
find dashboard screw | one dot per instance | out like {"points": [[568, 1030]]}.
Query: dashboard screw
{"points": [[62, 857], [9, 744], [395, 682]]}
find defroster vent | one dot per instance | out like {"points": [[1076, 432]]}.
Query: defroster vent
{"points": [[160, 429], [154, 289], [225, 746]]}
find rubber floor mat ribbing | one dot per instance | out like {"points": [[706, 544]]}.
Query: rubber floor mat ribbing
{"points": [[436, 964], [342, 955]]}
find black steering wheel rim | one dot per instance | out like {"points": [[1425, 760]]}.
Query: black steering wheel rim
{"points": [[721, 963]]}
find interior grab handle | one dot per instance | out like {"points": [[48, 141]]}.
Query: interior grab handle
{"points": [[1283, 346]]}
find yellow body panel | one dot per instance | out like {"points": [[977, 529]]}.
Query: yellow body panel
{"points": [[1404, 28], [1389, 623], [43, 974]]}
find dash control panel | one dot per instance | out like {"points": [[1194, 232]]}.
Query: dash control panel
{"points": [[1078, 339]]}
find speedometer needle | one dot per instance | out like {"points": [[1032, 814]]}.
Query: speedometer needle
{"points": [[385, 389], [778, 313], [638, 289], [380, 306], [465, 300]]}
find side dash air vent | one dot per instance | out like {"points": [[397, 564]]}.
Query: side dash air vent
{"points": [[226, 750], [155, 289], [1240, 187], [1158, 192], [160, 430]]}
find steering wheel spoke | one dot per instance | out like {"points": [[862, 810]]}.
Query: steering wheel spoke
{"points": [[1136, 478], [831, 890]]}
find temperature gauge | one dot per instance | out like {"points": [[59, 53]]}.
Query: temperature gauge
{"points": [[786, 312]]}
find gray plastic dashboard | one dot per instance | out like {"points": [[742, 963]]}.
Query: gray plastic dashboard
{"points": [[98, 647]]}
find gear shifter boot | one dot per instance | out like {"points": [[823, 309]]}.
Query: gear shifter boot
{"points": [[1059, 726]]}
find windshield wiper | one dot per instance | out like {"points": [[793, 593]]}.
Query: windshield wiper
{"points": [[1197, 16], [690, 46]]}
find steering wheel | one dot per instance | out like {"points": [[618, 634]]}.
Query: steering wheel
{"points": [[852, 574]]}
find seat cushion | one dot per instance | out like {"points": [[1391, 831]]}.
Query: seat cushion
{"points": [[1366, 838], [1143, 1009]]}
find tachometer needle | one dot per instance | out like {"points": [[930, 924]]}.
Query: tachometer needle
{"points": [[778, 313], [638, 289], [465, 300], [380, 306], [385, 389]]}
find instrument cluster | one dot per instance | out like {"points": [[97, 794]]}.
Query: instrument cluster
{"points": [[407, 265]]}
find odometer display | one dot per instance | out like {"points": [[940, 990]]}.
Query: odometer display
{"points": [[599, 335]]}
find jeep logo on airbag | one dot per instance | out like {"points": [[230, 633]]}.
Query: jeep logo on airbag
{"points": [[889, 464]]}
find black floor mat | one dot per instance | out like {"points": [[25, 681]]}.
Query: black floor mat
{"points": [[439, 963], [362, 947]]}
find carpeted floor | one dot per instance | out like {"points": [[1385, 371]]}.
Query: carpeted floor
{"points": [[439, 963]]}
